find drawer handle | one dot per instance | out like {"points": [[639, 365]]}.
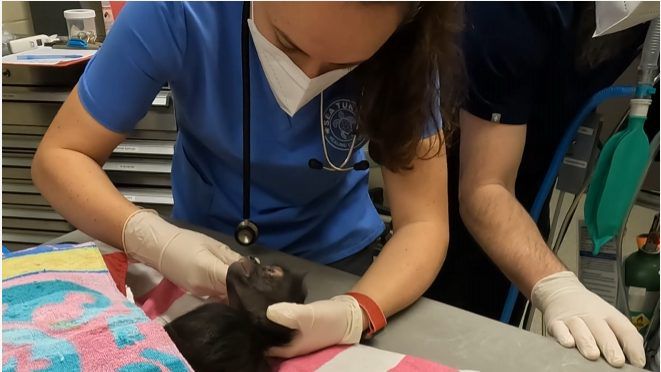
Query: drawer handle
{"points": [[161, 100]]}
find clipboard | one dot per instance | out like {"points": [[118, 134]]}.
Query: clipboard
{"points": [[12, 59]]}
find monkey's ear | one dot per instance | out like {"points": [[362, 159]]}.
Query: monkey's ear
{"points": [[272, 334]]}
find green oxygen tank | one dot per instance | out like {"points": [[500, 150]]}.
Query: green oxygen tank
{"points": [[641, 278]]}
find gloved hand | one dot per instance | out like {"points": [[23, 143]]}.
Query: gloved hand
{"points": [[574, 316], [193, 261], [319, 324]]}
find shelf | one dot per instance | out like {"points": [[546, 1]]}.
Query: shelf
{"points": [[139, 167], [139, 147], [31, 94]]}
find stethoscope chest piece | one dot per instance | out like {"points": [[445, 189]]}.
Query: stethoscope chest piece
{"points": [[246, 233]]}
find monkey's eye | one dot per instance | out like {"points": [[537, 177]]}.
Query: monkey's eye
{"points": [[255, 259]]}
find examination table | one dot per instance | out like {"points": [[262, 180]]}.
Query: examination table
{"points": [[431, 329]]}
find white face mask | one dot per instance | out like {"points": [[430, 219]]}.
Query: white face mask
{"points": [[614, 16], [291, 87]]}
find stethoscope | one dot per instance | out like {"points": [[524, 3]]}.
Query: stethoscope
{"points": [[246, 232]]}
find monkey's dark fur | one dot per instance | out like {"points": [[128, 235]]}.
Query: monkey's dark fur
{"points": [[218, 337]]}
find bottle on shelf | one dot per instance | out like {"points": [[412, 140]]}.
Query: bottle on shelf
{"points": [[641, 278]]}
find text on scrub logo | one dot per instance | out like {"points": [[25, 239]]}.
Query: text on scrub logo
{"points": [[340, 122]]}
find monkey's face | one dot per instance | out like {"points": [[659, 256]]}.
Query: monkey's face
{"points": [[253, 287]]}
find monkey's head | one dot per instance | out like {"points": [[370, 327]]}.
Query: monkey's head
{"points": [[252, 287], [217, 337]]}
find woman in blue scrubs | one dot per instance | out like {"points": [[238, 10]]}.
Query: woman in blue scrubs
{"points": [[324, 78]]}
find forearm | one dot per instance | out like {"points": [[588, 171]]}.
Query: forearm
{"points": [[406, 267], [81, 192], [508, 235]]}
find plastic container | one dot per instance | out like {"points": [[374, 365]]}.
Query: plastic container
{"points": [[641, 278], [81, 24]]}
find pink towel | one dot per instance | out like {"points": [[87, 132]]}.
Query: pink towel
{"points": [[359, 358], [62, 312]]}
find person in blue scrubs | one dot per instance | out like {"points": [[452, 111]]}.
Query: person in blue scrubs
{"points": [[350, 71]]}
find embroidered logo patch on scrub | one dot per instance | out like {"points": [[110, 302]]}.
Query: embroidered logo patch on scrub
{"points": [[340, 123]]}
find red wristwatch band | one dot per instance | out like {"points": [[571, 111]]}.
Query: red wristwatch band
{"points": [[377, 321]]}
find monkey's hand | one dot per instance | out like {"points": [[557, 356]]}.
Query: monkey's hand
{"points": [[193, 261], [318, 324]]}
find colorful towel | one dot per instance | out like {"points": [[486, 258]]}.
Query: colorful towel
{"points": [[61, 311]]}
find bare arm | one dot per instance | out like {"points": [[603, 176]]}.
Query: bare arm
{"points": [[490, 157], [67, 171], [400, 274], [413, 256]]}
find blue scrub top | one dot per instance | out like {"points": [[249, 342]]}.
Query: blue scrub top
{"points": [[196, 48]]}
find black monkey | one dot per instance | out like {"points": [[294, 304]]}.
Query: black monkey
{"points": [[217, 337]]}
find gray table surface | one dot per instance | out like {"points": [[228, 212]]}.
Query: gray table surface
{"points": [[433, 330]]}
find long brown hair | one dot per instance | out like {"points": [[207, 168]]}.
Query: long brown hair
{"points": [[400, 83]]}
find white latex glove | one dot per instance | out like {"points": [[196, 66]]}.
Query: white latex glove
{"points": [[319, 324], [574, 316], [193, 261]]}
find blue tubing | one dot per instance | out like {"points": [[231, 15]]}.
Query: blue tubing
{"points": [[554, 167]]}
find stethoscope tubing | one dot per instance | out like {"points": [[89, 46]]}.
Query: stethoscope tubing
{"points": [[247, 232]]}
